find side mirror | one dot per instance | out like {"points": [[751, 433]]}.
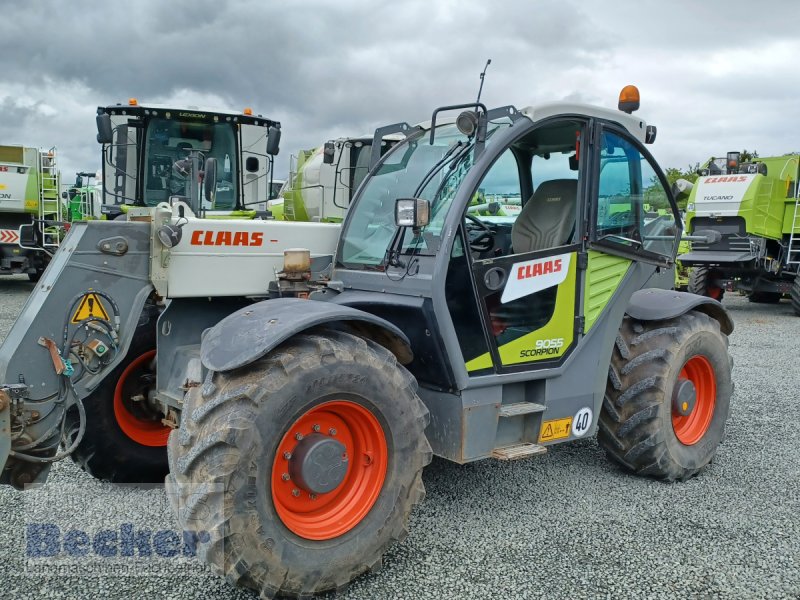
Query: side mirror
{"points": [[412, 212], [251, 164], [105, 133], [210, 179], [328, 150], [274, 141]]}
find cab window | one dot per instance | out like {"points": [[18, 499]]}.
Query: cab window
{"points": [[634, 213]]}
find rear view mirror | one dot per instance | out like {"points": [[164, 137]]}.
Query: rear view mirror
{"points": [[411, 212], [105, 134], [210, 179], [274, 141], [328, 150]]}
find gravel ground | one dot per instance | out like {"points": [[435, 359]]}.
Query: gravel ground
{"points": [[565, 525]]}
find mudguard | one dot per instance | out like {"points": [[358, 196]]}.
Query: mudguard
{"points": [[251, 332], [658, 305]]}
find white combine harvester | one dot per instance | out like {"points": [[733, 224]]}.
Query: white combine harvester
{"points": [[30, 209]]}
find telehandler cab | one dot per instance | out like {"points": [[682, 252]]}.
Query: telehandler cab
{"points": [[299, 426]]}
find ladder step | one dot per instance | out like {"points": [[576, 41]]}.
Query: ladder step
{"points": [[518, 451], [520, 408]]}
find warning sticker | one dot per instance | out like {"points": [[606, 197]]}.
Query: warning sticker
{"points": [[555, 430], [90, 306]]}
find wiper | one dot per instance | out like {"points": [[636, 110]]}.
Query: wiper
{"points": [[438, 167], [632, 241]]}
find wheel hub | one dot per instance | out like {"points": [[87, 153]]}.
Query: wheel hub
{"points": [[684, 397], [318, 464]]}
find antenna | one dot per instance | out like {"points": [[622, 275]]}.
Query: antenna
{"points": [[483, 74]]}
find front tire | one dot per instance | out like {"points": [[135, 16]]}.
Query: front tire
{"points": [[245, 436], [121, 443], [701, 283], [668, 396]]}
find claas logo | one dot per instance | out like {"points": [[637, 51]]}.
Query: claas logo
{"points": [[726, 179], [540, 268], [227, 238]]}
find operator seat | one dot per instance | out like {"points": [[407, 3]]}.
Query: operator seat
{"points": [[547, 219]]}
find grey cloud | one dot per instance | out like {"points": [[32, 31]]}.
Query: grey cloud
{"points": [[335, 68]]}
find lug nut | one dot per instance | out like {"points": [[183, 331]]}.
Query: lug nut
{"points": [[315, 428], [287, 455], [332, 431], [285, 477], [298, 436], [295, 492], [312, 496]]}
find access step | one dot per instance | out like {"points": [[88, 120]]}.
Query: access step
{"points": [[518, 451], [520, 408]]}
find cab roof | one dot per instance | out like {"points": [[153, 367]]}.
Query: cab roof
{"points": [[188, 113], [636, 127]]}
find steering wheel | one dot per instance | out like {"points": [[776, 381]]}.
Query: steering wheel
{"points": [[483, 239]]}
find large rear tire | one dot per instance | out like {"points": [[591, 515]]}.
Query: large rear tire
{"points": [[242, 475], [668, 396], [701, 283], [123, 443], [794, 295]]}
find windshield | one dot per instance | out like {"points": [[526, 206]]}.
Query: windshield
{"points": [[439, 168], [170, 148]]}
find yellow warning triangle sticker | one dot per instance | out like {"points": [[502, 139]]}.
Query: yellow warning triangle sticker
{"points": [[548, 431], [90, 306]]}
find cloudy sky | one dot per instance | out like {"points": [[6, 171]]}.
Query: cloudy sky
{"points": [[714, 76]]}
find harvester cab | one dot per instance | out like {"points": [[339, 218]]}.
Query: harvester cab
{"points": [[154, 154], [300, 409], [754, 207], [323, 181]]}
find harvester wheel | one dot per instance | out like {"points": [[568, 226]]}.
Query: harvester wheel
{"points": [[794, 295], [297, 472], [667, 397], [123, 443], [765, 297], [699, 284]]}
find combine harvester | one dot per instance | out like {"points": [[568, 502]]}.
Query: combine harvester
{"points": [[31, 211], [154, 154], [755, 210], [322, 181], [300, 410]]}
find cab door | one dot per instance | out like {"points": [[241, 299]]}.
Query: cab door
{"points": [[521, 240]]}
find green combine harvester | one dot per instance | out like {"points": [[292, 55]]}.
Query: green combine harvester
{"points": [[754, 208]]}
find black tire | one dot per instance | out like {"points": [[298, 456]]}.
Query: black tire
{"points": [[229, 434], [106, 452], [699, 283], [35, 276], [636, 428], [794, 295], [765, 297]]}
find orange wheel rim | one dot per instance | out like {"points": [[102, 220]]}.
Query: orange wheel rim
{"points": [[323, 516], [146, 432], [691, 428], [715, 292]]}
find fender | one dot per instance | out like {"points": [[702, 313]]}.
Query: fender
{"points": [[658, 305], [251, 332]]}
